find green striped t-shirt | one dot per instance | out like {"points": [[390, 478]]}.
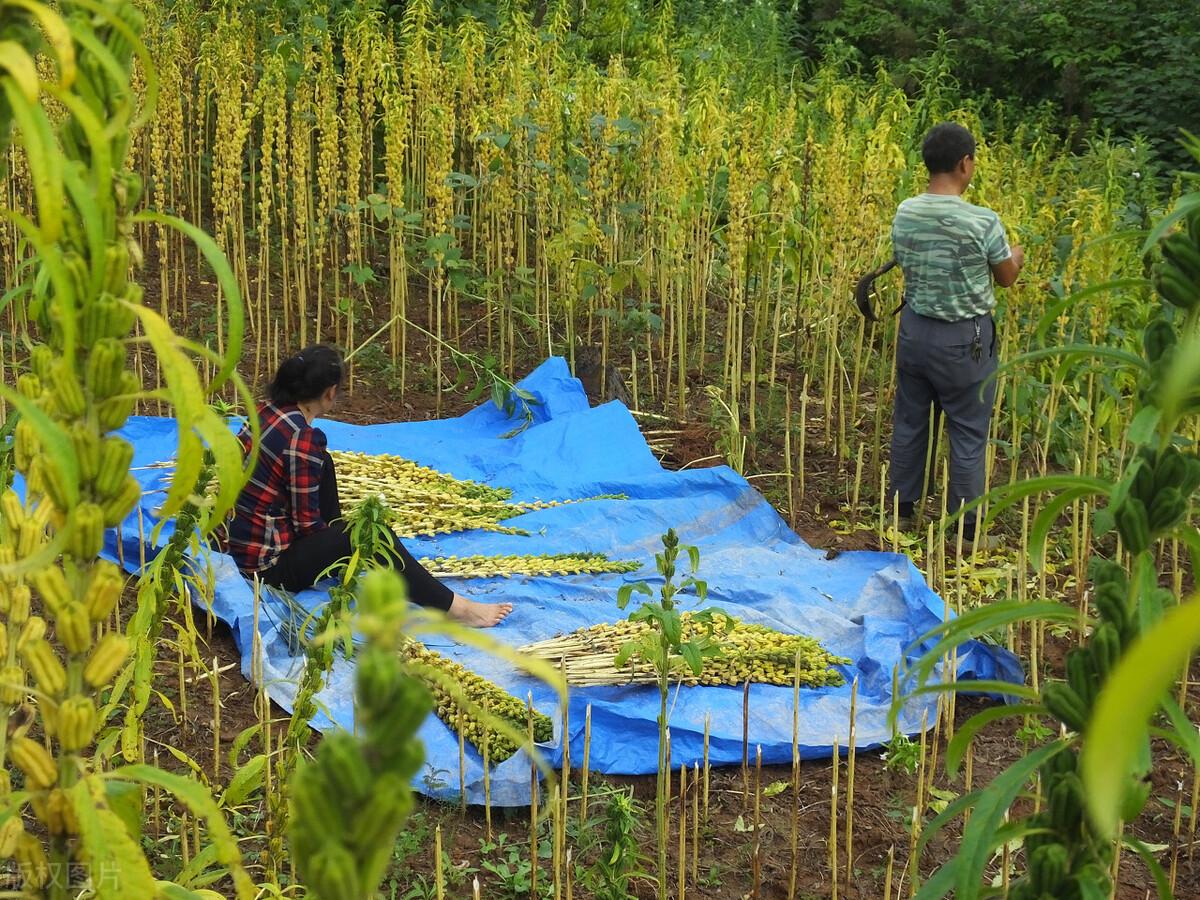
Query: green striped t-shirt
{"points": [[946, 247]]}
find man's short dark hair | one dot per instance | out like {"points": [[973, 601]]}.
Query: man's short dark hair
{"points": [[945, 145]]}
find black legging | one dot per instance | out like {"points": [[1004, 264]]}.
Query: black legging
{"points": [[301, 564]]}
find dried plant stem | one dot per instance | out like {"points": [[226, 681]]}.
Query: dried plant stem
{"points": [[695, 824], [1006, 862], [707, 769], [800, 468], [850, 784], [745, 744], [181, 669], [587, 757], [683, 826], [561, 807], [833, 822], [216, 724], [1175, 829], [534, 796], [969, 778], [462, 761], [1192, 814], [858, 474], [487, 783], [795, 834], [439, 875], [757, 858], [156, 814]]}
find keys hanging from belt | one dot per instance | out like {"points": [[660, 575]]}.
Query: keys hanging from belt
{"points": [[977, 344]]}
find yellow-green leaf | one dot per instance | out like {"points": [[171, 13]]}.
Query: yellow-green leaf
{"points": [[1122, 712], [43, 156], [116, 864], [57, 34], [198, 799], [187, 397], [21, 68], [229, 287]]}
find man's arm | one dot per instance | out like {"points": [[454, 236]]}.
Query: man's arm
{"points": [[1007, 270]]}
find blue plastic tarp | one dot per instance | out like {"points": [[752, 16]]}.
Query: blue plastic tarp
{"points": [[865, 606]]}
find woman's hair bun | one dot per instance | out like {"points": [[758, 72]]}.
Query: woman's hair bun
{"points": [[307, 375]]}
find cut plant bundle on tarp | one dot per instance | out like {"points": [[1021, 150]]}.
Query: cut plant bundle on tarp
{"points": [[745, 652]]}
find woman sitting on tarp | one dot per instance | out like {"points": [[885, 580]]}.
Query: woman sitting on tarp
{"points": [[287, 527]]}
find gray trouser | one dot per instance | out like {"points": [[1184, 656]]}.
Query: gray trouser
{"points": [[939, 365]]}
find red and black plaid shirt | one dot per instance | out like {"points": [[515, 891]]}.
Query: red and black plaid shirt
{"points": [[281, 501]]}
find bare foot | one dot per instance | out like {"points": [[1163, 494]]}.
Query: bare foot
{"points": [[478, 615]]}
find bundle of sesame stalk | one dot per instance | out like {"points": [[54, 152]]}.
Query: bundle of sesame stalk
{"points": [[546, 565], [748, 653], [465, 701], [471, 705], [428, 502]]}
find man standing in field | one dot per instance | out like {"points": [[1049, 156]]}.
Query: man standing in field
{"points": [[950, 252]]}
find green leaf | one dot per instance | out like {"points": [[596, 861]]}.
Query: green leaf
{"points": [[1070, 352], [1189, 536], [1185, 734], [245, 782], [982, 686], [199, 869], [626, 591], [1046, 520], [245, 736], [1187, 205], [987, 815], [968, 730], [1180, 383], [116, 864], [775, 788], [1120, 717], [43, 155], [57, 34], [197, 798], [970, 625], [499, 396], [1141, 429], [692, 656], [126, 800], [235, 309], [672, 627], [199, 424], [168, 890], [625, 654], [1054, 311], [1001, 498]]}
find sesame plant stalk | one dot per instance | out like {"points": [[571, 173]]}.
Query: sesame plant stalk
{"points": [[81, 310], [664, 648]]}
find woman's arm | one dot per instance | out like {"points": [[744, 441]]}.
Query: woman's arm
{"points": [[305, 461]]}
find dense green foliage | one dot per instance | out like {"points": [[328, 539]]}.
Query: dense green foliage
{"points": [[1127, 67], [1122, 67]]}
